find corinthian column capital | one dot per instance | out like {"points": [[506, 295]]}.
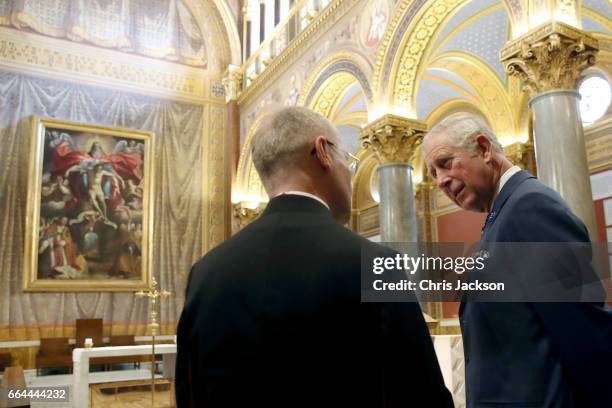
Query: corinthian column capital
{"points": [[394, 139], [246, 214], [550, 57]]}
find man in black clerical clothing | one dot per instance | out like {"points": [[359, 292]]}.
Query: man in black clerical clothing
{"points": [[521, 354], [273, 317]]}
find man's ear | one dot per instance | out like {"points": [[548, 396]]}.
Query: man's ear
{"points": [[484, 147], [321, 152]]}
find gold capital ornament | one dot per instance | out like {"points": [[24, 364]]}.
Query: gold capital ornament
{"points": [[395, 139], [232, 83], [245, 214], [549, 57], [523, 155]]}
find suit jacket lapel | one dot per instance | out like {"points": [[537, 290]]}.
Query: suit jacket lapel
{"points": [[506, 191]]}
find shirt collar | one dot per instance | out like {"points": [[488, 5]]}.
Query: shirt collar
{"points": [[503, 180], [305, 194]]}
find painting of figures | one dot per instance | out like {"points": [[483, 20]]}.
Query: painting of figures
{"points": [[89, 208]]}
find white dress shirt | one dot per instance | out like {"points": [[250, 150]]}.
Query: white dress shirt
{"points": [[305, 194]]}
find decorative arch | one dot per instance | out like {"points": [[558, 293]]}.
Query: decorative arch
{"points": [[604, 56], [453, 106], [325, 99], [362, 195], [335, 70], [491, 93], [403, 54], [212, 20], [231, 29], [403, 49], [248, 186], [597, 17]]}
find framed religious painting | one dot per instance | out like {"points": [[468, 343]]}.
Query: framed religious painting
{"points": [[89, 209]]}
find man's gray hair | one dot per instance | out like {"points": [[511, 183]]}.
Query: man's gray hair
{"points": [[282, 134], [460, 130]]}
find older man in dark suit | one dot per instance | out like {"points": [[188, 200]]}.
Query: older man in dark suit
{"points": [[273, 316], [536, 354]]}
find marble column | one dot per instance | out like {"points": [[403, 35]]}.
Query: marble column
{"points": [[394, 140], [232, 84], [549, 60]]}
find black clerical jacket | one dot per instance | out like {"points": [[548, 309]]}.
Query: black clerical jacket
{"points": [[273, 318]]}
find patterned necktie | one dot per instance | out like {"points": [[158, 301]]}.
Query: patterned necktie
{"points": [[490, 218]]}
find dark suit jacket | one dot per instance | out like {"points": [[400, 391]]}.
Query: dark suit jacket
{"points": [[536, 354], [273, 318]]}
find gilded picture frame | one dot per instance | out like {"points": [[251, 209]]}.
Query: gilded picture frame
{"points": [[89, 209]]}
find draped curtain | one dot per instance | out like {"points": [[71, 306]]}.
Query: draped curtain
{"points": [[177, 232], [155, 28]]}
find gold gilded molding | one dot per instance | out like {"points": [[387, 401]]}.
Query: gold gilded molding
{"points": [[330, 94], [423, 202], [393, 138], [214, 176], [492, 98], [298, 46], [383, 47], [50, 57], [246, 215], [412, 48], [599, 144], [353, 57], [248, 186], [550, 57], [523, 155], [362, 197], [368, 221], [598, 18]]}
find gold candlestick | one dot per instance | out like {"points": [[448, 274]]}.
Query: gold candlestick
{"points": [[153, 293]]}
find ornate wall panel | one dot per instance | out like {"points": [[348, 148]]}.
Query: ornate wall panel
{"points": [[215, 177], [180, 217], [50, 57]]}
